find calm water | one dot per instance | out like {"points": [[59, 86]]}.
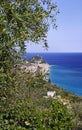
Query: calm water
{"points": [[65, 70]]}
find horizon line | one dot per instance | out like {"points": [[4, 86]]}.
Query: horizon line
{"points": [[53, 52]]}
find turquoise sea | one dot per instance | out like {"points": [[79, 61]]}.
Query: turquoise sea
{"points": [[65, 70]]}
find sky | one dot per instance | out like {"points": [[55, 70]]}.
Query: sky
{"points": [[68, 36]]}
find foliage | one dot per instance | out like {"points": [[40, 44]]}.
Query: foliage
{"points": [[23, 116], [20, 21], [24, 107], [25, 20], [60, 117], [77, 108]]}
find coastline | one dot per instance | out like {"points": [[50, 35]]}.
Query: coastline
{"points": [[35, 65], [66, 79], [70, 68]]}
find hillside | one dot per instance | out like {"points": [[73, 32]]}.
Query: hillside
{"points": [[32, 103]]}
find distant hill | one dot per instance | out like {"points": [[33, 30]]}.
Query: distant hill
{"points": [[36, 59]]}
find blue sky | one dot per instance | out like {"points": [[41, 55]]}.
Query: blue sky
{"points": [[68, 36]]}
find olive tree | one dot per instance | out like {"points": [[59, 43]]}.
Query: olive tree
{"points": [[20, 21]]}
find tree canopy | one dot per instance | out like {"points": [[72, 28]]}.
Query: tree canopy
{"points": [[26, 20], [20, 21]]}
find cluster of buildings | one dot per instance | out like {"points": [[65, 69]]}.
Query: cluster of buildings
{"points": [[36, 64]]}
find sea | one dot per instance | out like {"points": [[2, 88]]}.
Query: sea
{"points": [[65, 70]]}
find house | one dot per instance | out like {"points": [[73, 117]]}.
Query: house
{"points": [[51, 93]]}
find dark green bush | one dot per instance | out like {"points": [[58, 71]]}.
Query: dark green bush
{"points": [[23, 116]]}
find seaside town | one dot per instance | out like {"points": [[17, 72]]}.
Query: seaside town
{"points": [[35, 64]]}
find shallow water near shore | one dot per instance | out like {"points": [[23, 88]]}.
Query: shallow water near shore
{"points": [[67, 78]]}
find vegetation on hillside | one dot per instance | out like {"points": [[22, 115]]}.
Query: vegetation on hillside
{"points": [[24, 107]]}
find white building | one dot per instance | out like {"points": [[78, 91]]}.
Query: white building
{"points": [[51, 93]]}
